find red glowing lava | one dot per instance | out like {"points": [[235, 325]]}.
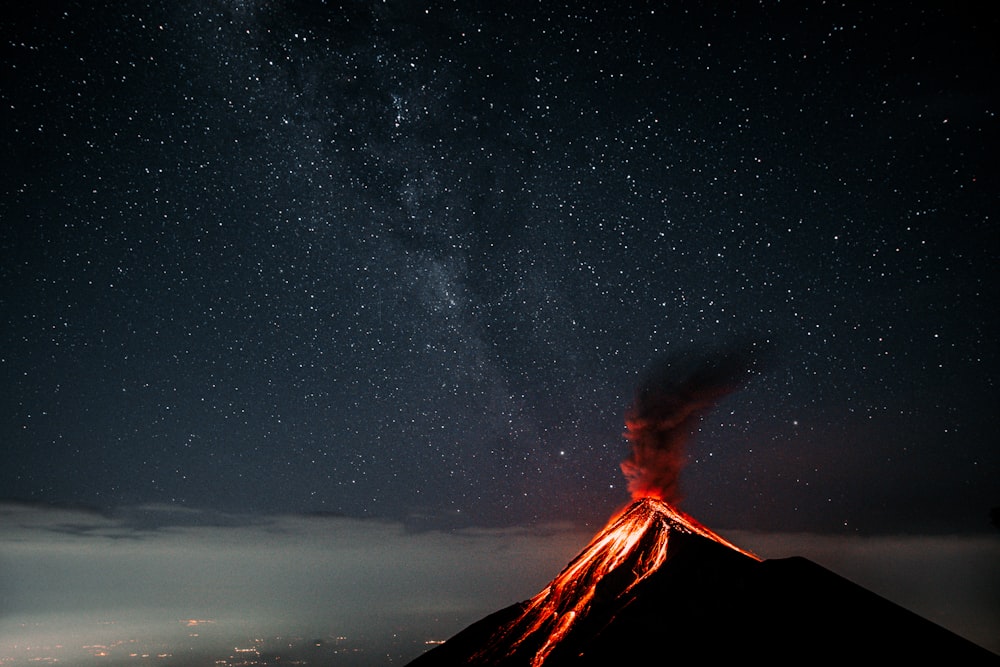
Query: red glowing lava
{"points": [[633, 545]]}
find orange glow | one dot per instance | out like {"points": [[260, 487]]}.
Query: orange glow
{"points": [[636, 541]]}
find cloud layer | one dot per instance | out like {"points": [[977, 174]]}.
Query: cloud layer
{"points": [[65, 572]]}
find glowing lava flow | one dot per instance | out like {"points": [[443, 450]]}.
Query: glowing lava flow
{"points": [[632, 546]]}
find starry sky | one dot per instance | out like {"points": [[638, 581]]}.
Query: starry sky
{"points": [[409, 260]]}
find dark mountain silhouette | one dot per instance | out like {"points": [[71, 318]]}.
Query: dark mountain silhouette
{"points": [[655, 586]]}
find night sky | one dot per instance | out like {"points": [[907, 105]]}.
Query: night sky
{"points": [[410, 260]]}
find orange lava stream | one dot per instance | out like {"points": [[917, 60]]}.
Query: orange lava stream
{"points": [[636, 539]]}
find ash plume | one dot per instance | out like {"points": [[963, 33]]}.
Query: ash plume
{"points": [[673, 395]]}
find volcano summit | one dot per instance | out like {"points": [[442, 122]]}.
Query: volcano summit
{"points": [[655, 585]]}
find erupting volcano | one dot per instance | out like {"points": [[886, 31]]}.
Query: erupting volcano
{"points": [[657, 586]]}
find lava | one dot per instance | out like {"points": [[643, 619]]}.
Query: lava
{"points": [[633, 545]]}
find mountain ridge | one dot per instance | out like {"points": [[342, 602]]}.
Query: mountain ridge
{"points": [[654, 581]]}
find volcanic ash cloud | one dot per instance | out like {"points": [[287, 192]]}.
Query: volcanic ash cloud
{"points": [[674, 394]]}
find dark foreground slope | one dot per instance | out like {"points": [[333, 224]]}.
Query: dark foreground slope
{"points": [[709, 601]]}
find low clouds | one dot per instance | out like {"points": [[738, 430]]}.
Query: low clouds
{"points": [[66, 570], [71, 575]]}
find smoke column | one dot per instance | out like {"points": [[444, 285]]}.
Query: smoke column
{"points": [[673, 396]]}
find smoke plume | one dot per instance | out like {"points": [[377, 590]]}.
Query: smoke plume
{"points": [[673, 395]]}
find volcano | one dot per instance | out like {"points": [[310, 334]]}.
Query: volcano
{"points": [[656, 586]]}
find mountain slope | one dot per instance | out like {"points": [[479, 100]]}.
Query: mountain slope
{"points": [[657, 586]]}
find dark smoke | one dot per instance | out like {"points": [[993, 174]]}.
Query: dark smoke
{"points": [[673, 395]]}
